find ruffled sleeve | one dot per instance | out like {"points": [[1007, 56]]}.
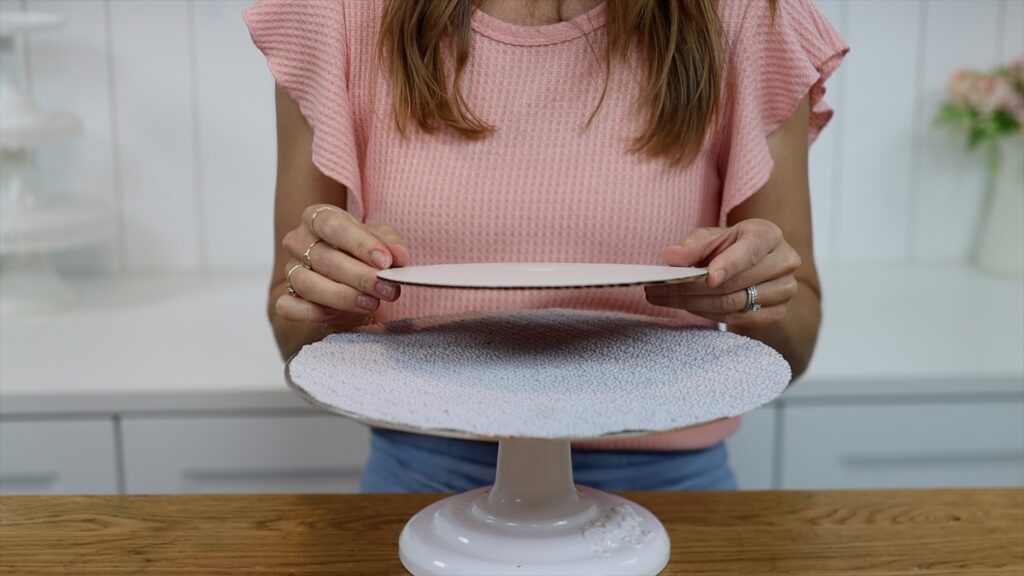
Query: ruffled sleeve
{"points": [[306, 46], [774, 60]]}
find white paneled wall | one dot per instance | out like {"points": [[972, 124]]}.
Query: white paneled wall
{"points": [[235, 109], [878, 156], [1012, 36], [943, 223], [823, 170], [154, 111], [177, 107]]}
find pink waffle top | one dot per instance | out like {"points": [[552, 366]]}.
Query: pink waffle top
{"points": [[544, 187]]}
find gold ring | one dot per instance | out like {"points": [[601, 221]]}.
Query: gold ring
{"points": [[288, 278], [306, 261], [312, 219]]}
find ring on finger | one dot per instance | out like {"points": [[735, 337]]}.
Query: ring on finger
{"points": [[753, 300], [306, 260], [312, 219], [288, 279]]}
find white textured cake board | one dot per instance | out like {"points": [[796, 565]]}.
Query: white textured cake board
{"points": [[534, 520], [550, 374]]}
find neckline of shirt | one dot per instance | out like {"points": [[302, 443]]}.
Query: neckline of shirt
{"points": [[519, 35]]}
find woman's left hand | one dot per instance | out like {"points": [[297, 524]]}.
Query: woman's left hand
{"points": [[751, 253]]}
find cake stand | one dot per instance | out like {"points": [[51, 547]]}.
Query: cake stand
{"points": [[535, 381], [33, 226]]}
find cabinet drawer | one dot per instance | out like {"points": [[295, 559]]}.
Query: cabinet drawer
{"points": [[909, 445], [243, 454], [58, 457], [752, 450]]}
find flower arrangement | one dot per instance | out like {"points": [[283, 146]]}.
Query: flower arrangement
{"points": [[989, 105]]}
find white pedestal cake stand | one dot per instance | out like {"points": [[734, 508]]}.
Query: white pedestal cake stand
{"points": [[535, 381], [34, 225]]}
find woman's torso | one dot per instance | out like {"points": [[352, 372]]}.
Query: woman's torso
{"points": [[545, 187]]}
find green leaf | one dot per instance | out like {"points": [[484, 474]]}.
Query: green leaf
{"points": [[1004, 124], [951, 114], [992, 154], [975, 136]]}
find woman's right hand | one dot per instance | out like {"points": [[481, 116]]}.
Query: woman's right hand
{"points": [[339, 281]]}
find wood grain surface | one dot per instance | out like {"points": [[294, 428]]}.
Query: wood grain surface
{"points": [[920, 532]]}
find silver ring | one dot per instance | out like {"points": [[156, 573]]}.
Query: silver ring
{"points": [[288, 278], [312, 219], [306, 260], [753, 302]]}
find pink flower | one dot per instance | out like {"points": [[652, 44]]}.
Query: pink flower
{"points": [[961, 86], [1015, 71], [991, 93]]}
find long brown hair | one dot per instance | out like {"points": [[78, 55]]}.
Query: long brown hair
{"points": [[679, 42]]}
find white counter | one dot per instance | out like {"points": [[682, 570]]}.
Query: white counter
{"points": [[156, 344], [154, 385]]}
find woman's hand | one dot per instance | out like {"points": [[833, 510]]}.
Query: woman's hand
{"points": [[333, 266], [751, 253]]}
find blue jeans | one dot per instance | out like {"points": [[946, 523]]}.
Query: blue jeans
{"points": [[404, 462]]}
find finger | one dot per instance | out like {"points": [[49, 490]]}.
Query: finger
{"points": [[326, 292], [697, 247], [341, 230], [766, 316], [344, 269], [399, 254], [297, 241], [777, 264], [387, 233], [753, 242], [771, 293], [298, 310], [311, 215], [395, 242]]}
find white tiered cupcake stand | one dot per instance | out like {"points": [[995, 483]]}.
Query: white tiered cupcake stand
{"points": [[31, 225], [535, 381]]}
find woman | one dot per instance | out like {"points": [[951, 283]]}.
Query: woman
{"points": [[632, 131]]}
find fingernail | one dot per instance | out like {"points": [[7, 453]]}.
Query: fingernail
{"points": [[330, 312], [715, 278], [367, 302], [386, 290], [379, 259]]}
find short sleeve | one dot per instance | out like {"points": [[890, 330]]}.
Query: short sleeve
{"points": [[775, 59], [305, 43]]}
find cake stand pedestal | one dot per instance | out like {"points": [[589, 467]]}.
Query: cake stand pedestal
{"points": [[534, 521]]}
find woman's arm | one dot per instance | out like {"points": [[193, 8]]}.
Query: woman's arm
{"points": [[768, 244], [299, 184], [340, 290], [785, 200]]}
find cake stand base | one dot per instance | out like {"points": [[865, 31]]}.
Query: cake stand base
{"points": [[30, 285], [534, 521]]}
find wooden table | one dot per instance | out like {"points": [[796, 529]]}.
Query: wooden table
{"points": [[921, 532]]}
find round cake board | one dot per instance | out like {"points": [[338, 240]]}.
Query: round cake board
{"points": [[545, 374], [539, 275]]}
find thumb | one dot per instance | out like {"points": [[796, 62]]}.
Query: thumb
{"points": [[394, 241], [698, 247], [400, 253]]}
